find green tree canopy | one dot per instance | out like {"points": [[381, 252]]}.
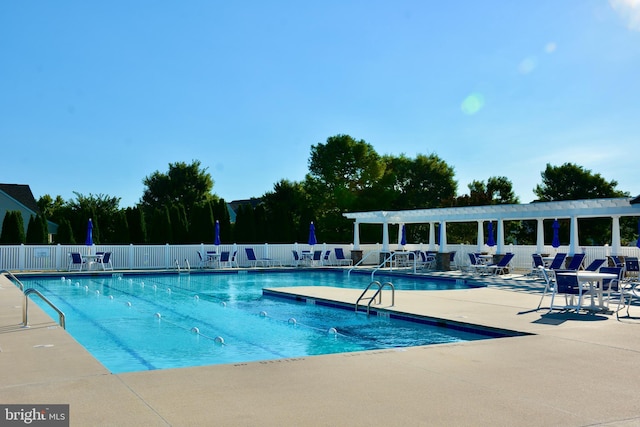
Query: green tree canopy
{"points": [[187, 184], [573, 182]]}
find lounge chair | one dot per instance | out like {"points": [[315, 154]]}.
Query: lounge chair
{"points": [[76, 262], [425, 261], [254, 261], [502, 266], [614, 261], [558, 261], [595, 264], [340, 258], [576, 262], [105, 261]]}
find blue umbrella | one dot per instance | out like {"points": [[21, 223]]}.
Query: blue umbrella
{"points": [[556, 240], [403, 238], [490, 241], [312, 235], [217, 239], [638, 241], [89, 241]]}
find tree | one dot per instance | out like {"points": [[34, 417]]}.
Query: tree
{"points": [[573, 182], [137, 225], [340, 171], [287, 212], [37, 232], [65, 233], [12, 228], [186, 184]]}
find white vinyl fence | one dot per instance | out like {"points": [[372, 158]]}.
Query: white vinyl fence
{"points": [[143, 257]]}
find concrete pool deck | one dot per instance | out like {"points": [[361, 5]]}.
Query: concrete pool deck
{"points": [[573, 370]]}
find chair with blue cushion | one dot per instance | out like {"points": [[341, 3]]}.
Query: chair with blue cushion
{"points": [[576, 262], [105, 261], [475, 265], [502, 266], [76, 262], [224, 260], [611, 285], [537, 262], [595, 264], [558, 261], [340, 258], [567, 285], [254, 261], [296, 258], [631, 268]]}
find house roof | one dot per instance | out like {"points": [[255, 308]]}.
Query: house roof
{"points": [[21, 193]]}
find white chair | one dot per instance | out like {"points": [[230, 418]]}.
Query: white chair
{"points": [[76, 262]]}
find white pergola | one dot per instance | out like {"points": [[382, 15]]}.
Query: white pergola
{"points": [[539, 211]]}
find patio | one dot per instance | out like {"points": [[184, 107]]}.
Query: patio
{"points": [[573, 370]]}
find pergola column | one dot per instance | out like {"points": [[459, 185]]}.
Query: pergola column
{"points": [[615, 235], [500, 242], [432, 236], [443, 236], [385, 236], [480, 235], [540, 235], [574, 240], [356, 235]]}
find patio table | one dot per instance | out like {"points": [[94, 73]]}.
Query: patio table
{"points": [[594, 280]]}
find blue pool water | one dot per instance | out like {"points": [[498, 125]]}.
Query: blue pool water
{"points": [[145, 322]]}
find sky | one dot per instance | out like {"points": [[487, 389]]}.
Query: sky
{"points": [[96, 96]]}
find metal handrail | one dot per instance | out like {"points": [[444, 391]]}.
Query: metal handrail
{"points": [[25, 308], [14, 278], [361, 261], [377, 294]]}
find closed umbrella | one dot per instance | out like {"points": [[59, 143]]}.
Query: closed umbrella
{"points": [[638, 241], [556, 240], [217, 239], [403, 237], [89, 240], [312, 235], [490, 241]]}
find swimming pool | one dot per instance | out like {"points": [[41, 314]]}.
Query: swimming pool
{"points": [[145, 322]]}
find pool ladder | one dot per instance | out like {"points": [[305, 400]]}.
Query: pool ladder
{"points": [[376, 294], [25, 304], [187, 268]]}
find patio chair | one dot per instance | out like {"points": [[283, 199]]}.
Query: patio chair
{"points": [[595, 264], [567, 285], [537, 262], [325, 258], [296, 258], [254, 261], [340, 258], [576, 262], [425, 261], [631, 268], [233, 261], [611, 285], [317, 257], [502, 266], [475, 265], [452, 261], [549, 284], [558, 261], [628, 290], [224, 260], [614, 261], [76, 262], [105, 261], [201, 260]]}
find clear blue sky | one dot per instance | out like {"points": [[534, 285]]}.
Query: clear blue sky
{"points": [[97, 95]]}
